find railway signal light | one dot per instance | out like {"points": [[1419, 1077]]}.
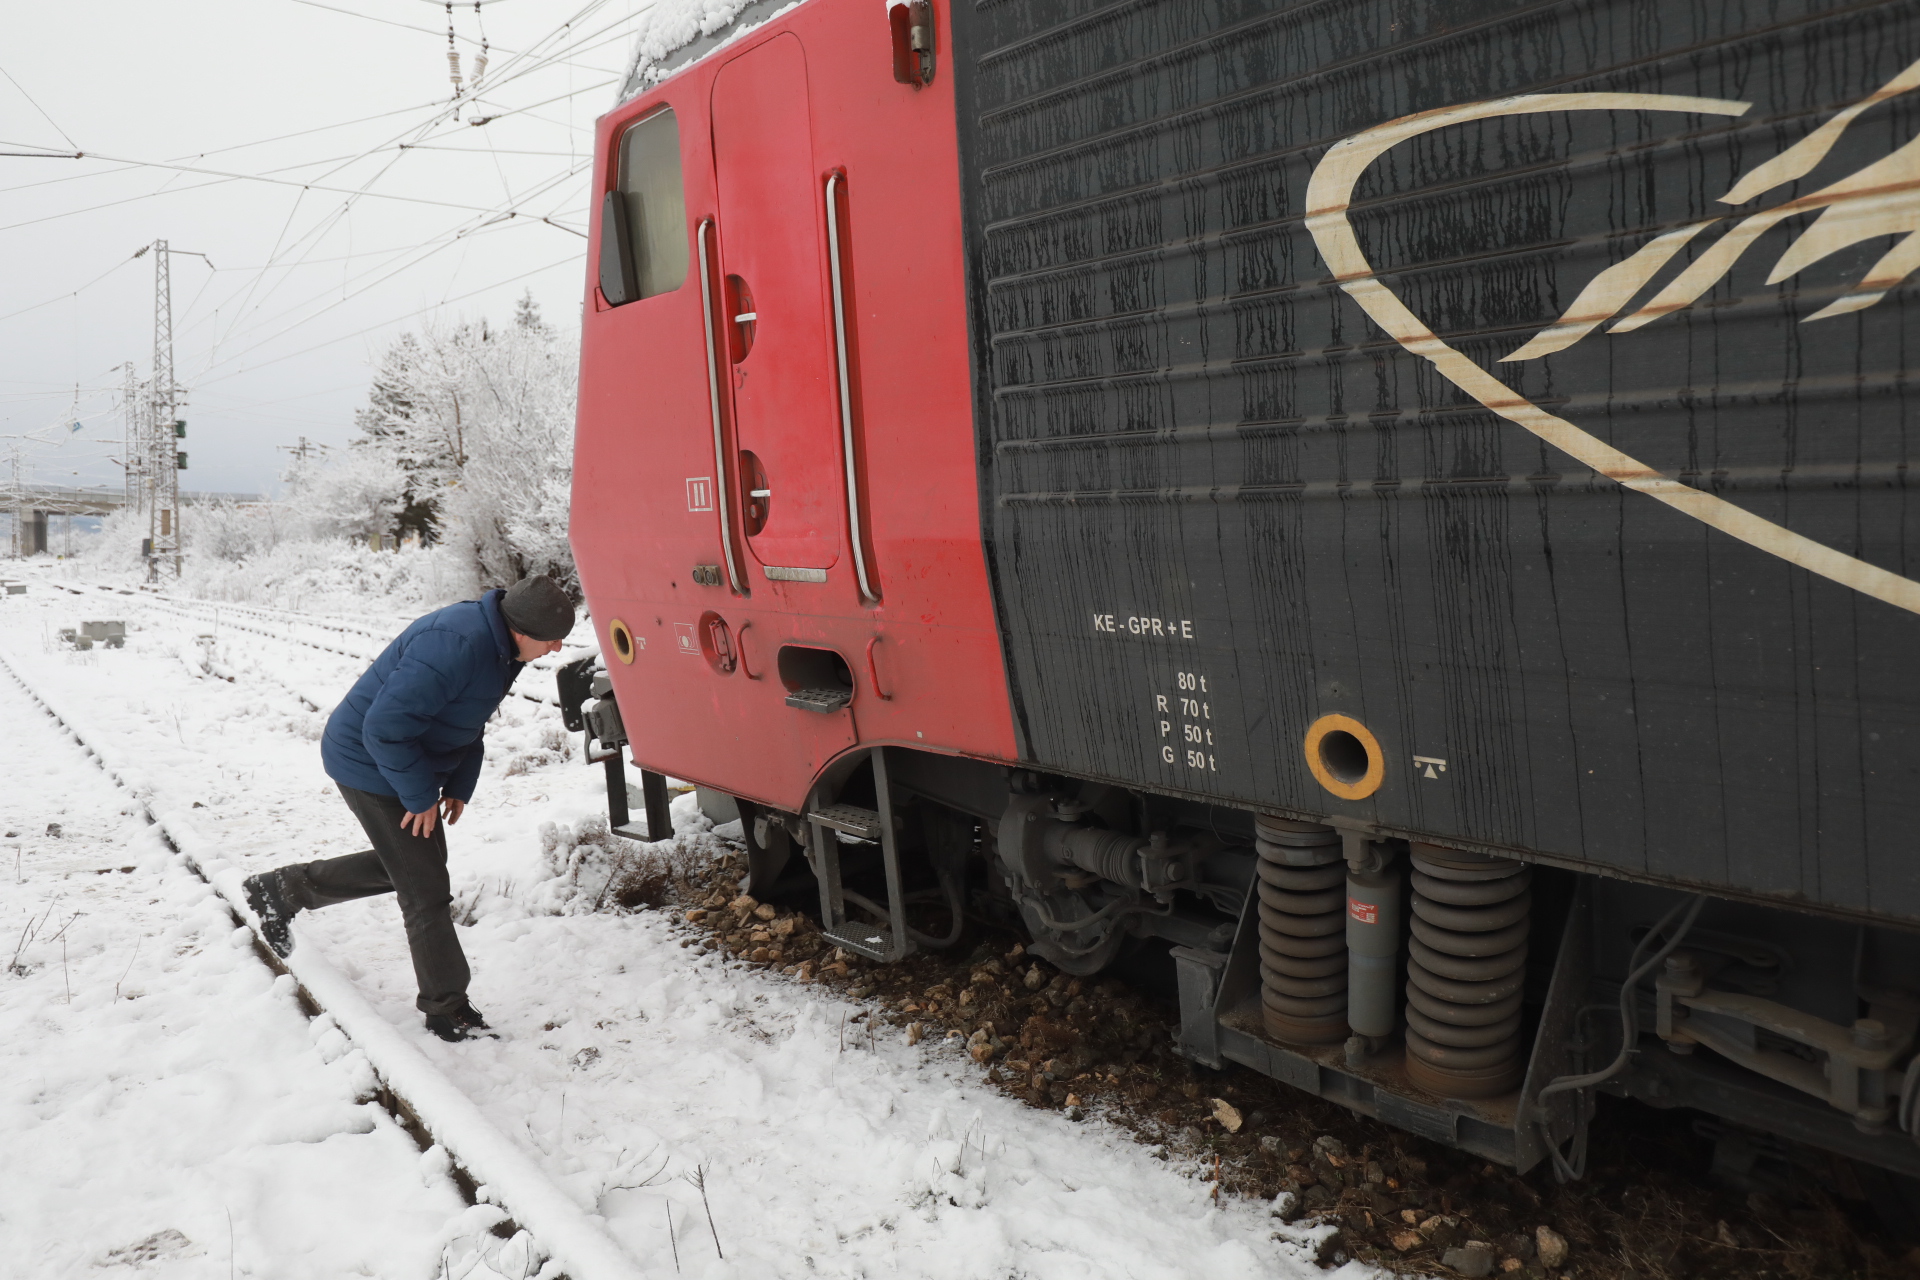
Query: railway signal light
{"points": [[180, 428], [180, 461]]}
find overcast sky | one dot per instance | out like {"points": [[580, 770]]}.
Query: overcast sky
{"points": [[277, 341]]}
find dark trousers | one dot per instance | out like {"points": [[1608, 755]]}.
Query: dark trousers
{"points": [[414, 871]]}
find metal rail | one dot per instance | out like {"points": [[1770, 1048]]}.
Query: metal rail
{"points": [[723, 492], [867, 592]]}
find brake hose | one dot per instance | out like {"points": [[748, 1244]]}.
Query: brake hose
{"points": [[1573, 1165]]}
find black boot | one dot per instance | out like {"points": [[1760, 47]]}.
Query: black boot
{"points": [[269, 902], [469, 1017], [464, 1023]]}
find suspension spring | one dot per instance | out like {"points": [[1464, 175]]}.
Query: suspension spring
{"points": [[1467, 972], [1303, 933]]}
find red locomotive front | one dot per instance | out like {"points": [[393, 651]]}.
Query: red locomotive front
{"points": [[776, 504]]}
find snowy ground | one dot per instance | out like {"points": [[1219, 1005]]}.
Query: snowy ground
{"points": [[163, 1102], [631, 1069]]}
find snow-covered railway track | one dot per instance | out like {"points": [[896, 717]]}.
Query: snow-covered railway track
{"points": [[417, 1092], [325, 622], [201, 611]]}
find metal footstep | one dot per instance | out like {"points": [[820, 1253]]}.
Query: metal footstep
{"points": [[825, 824], [873, 943], [821, 700], [862, 824]]}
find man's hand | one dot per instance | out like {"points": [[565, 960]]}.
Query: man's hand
{"points": [[421, 824]]}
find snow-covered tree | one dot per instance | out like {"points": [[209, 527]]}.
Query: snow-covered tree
{"points": [[476, 425], [389, 423]]}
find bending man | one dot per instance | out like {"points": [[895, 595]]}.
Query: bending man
{"points": [[405, 748]]}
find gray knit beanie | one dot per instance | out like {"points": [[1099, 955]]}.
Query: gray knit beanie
{"points": [[538, 609]]}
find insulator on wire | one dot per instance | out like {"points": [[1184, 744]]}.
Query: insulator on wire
{"points": [[480, 64], [453, 68]]}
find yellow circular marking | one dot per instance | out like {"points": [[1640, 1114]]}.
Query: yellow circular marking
{"points": [[622, 641], [1345, 757]]}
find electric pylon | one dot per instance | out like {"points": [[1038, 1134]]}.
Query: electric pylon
{"points": [[163, 459]]}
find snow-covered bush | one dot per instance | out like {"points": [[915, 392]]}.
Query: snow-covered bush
{"points": [[275, 562], [335, 575], [228, 530], [588, 868], [115, 549], [354, 494]]}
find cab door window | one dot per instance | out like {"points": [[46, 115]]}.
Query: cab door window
{"points": [[643, 222]]}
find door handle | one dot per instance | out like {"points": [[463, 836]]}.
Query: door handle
{"points": [[867, 592], [740, 649], [873, 671], [724, 499]]}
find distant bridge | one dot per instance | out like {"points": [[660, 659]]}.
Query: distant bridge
{"points": [[31, 504]]}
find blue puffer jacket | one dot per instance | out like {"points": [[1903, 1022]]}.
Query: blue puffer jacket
{"points": [[411, 726]]}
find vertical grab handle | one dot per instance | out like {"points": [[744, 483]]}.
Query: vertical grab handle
{"points": [[724, 491], [867, 592]]}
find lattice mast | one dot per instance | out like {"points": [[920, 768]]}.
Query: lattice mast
{"points": [[162, 457], [134, 456], [17, 501]]}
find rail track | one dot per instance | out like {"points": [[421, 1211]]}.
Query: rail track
{"points": [[416, 1092], [275, 624]]}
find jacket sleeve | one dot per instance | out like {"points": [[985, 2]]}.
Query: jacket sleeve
{"points": [[466, 777], [420, 686]]}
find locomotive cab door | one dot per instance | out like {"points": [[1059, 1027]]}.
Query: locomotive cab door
{"points": [[773, 296]]}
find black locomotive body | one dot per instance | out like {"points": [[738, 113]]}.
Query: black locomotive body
{"points": [[1226, 504]]}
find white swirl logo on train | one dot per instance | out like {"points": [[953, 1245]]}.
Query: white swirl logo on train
{"points": [[1878, 200]]}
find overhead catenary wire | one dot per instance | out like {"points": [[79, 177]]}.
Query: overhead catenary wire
{"points": [[335, 215], [148, 195], [243, 146], [438, 104], [386, 22], [37, 107], [427, 251], [127, 163], [515, 279], [71, 292], [417, 133], [283, 182], [544, 201]]}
